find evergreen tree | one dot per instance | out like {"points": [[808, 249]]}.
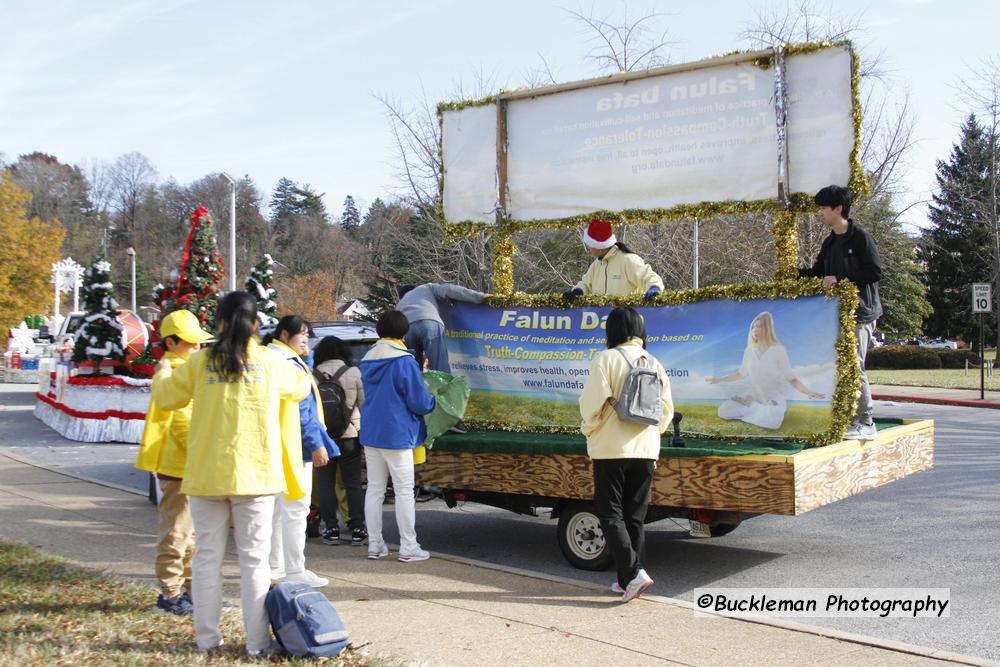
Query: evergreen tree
{"points": [[283, 200], [201, 270], [100, 336], [351, 220], [376, 211], [309, 203], [957, 246], [260, 283]]}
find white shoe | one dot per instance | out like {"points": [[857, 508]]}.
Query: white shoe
{"points": [[616, 588], [413, 554], [635, 587], [377, 550], [307, 577], [861, 432]]}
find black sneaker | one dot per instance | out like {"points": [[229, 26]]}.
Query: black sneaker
{"points": [[458, 428], [331, 536], [358, 537], [179, 605]]}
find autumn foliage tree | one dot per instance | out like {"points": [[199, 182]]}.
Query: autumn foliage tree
{"points": [[313, 296], [27, 253]]}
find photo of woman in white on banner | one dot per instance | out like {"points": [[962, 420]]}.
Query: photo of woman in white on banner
{"points": [[767, 369]]}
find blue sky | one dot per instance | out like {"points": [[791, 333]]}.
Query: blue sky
{"points": [[286, 89]]}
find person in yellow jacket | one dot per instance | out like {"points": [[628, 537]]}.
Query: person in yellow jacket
{"points": [[236, 463], [624, 453], [163, 451], [290, 339], [616, 270]]}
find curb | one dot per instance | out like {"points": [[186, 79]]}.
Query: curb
{"points": [[954, 402]]}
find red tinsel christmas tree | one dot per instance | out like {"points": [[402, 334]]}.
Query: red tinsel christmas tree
{"points": [[201, 270]]}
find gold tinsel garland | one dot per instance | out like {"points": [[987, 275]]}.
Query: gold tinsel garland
{"points": [[786, 250], [786, 246], [503, 264], [848, 374], [801, 202]]}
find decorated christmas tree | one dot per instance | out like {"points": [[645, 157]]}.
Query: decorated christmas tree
{"points": [[260, 284], [99, 338], [201, 270]]}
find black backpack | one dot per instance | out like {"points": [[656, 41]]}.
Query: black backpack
{"points": [[335, 409]]}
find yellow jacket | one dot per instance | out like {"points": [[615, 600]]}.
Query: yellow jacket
{"points": [[291, 417], [235, 442], [608, 437], [619, 274], [163, 448]]}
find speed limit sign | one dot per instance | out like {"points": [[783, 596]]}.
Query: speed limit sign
{"points": [[982, 299]]}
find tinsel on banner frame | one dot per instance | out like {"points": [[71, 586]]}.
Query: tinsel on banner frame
{"points": [[784, 205]]}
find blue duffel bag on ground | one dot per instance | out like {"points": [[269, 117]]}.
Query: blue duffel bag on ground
{"points": [[304, 621]]}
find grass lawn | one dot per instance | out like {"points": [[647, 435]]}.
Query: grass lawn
{"points": [[55, 613], [799, 420], [948, 378]]}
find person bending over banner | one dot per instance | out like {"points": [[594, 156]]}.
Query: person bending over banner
{"points": [[616, 270], [421, 305], [766, 366]]}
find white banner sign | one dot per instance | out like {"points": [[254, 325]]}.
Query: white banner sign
{"points": [[684, 137]]}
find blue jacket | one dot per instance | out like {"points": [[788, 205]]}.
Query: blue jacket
{"points": [[314, 433], [395, 398]]}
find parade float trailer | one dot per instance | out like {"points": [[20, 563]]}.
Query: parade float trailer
{"points": [[747, 133], [90, 403]]}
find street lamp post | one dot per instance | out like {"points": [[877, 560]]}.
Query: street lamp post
{"points": [[232, 231], [131, 255]]}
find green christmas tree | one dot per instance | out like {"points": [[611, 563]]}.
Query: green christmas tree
{"points": [[100, 336], [201, 270], [260, 284]]}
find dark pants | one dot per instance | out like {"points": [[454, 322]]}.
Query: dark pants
{"points": [[621, 497], [349, 462]]}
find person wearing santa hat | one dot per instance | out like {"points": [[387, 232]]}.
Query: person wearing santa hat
{"points": [[616, 270]]}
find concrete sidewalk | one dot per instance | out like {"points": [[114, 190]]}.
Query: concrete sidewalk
{"points": [[966, 398], [445, 611]]}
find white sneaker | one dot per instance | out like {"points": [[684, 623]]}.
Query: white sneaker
{"points": [[412, 554], [307, 577], [616, 588], [861, 432], [377, 550], [635, 587]]}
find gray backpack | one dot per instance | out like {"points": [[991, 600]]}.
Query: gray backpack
{"points": [[640, 400]]}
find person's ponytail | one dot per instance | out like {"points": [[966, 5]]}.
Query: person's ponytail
{"points": [[228, 356]]}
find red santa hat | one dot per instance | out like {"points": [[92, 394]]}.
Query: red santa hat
{"points": [[599, 235]]}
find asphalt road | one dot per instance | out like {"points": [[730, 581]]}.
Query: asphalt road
{"points": [[937, 529]]}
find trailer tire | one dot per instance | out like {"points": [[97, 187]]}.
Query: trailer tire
{"points": [[720, 529], [581, 538]]}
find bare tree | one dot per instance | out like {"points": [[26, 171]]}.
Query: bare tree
{"points": [[623, 44], [811, 21], [132, 177]]}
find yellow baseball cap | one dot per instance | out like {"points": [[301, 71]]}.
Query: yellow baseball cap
{"points": [[185, 325]]}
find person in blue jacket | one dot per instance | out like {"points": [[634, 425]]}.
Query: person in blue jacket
{"points": [[288, 537], [391, 426]]}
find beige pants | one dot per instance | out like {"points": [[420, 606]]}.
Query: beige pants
{"points": [[176, 545], [250, 517]]}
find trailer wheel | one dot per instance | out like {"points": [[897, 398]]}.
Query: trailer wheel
{"points": [[581, 538], [720, 529]]}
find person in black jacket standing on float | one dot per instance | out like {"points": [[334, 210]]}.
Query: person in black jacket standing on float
{"points": [[850, 253]]}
